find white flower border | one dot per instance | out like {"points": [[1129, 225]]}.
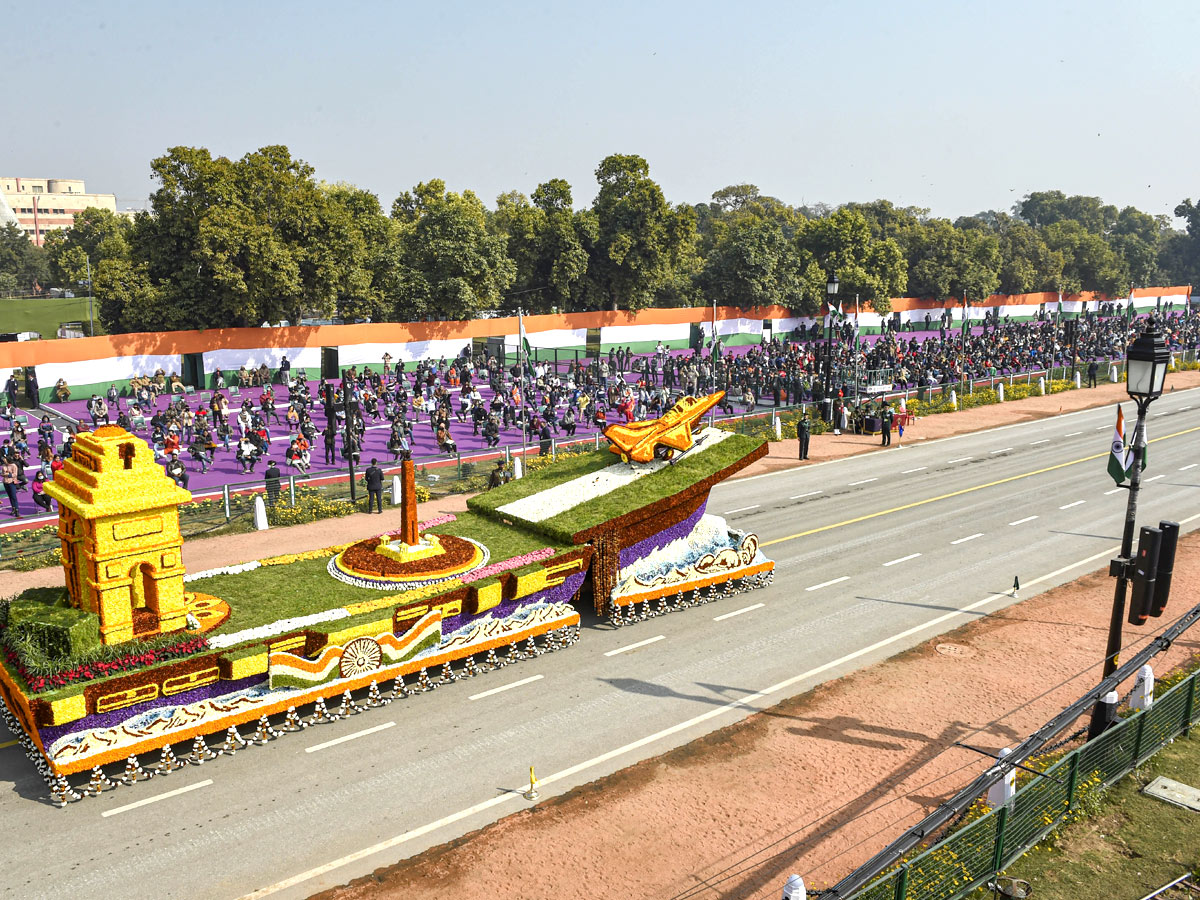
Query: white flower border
{"points": [[221, 641], [375, 584]]}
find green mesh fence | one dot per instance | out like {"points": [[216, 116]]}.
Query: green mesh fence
{"points": [[975, 853]]}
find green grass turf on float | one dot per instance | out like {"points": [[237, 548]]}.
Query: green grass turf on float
{"points": [[666, 482], [270, 593]]}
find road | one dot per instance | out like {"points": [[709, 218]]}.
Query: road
{"points": [[875, 554]]}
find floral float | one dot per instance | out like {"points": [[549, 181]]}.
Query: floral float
{"points": [[387, 616]]}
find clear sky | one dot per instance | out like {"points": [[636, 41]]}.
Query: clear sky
{"points": [[954, 106]]}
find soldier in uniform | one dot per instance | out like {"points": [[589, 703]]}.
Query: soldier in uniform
{"points": [[803, 430], [886, 415]]}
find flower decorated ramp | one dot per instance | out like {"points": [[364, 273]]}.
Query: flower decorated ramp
{"points": [[117, 672]]}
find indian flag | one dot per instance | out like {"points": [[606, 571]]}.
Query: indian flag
{"points": [[524, 339], [1119, 460]]}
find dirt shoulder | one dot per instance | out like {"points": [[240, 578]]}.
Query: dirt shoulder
{"points": [[815, 785]]}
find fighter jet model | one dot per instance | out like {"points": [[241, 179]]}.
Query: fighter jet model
{"points": [[661, 438]]}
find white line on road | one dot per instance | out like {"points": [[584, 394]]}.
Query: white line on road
{"points": [[661, 637], [1023, 521], [917, 469], [507, 687], [742, 703], [1188, 466], [969, 537], [1076, 503], [348, 737], [738, 612], [823, 584], [809, 494], [1152, 478], [1114, 491], [1005, 450], [1042, 441], [962, 459], [1182, 408], [742, 509], [1101, 427], [864, 481], [1073, 433], [156, 798], [902, 559]]}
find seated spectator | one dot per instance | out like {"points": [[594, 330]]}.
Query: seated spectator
{"points": [[176, 471], [62, 393], [176, 385]]}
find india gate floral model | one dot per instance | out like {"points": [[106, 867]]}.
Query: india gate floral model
{"points": [[137, 668]]}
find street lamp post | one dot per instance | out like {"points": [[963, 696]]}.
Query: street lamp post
{"points": [[1146, 365], [831, 289]]}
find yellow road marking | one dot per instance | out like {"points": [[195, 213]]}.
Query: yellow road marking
{"points": [[959, 493], [9, 744]]}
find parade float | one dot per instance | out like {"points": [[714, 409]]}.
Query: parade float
{"points": [[136, 657]]}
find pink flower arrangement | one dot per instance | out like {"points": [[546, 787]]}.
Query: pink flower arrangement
{"points": [[439, 520], [515, 563]]}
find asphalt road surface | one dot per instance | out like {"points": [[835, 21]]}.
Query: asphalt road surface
{"points": [[875, 554]]}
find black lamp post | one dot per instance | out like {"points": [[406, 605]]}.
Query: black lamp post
{"points": [[831, 289], [1146, 367]]}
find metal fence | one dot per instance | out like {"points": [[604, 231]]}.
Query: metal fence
{"points": [[970, 857]]}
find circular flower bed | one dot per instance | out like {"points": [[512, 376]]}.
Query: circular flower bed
{"points": [[360, 564]]}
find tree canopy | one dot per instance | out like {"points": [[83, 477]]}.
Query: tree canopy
{"points": [[261, 239]]}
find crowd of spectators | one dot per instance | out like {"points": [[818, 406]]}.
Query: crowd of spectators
{"points": [[500, 400]]}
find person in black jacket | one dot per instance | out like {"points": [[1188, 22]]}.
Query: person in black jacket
{"points": [[271, 478], [374, 479]]}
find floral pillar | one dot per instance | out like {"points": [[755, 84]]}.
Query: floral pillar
{"points": [[408, 529], [119, 528]]}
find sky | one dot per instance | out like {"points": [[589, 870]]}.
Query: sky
{"points": [[951, 106]]}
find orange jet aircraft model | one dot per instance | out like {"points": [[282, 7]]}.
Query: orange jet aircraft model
{"points": [[661, 438]]}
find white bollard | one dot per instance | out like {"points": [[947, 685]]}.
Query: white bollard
{"points": [[260, 513], [518, 467], [1000, 391], [953, 399], [396, 498], [1143, 689], [794, 889], [1078, 382], [904, 403], [778, 429], [1112, 374], [1041, 385], [1002, 792]]}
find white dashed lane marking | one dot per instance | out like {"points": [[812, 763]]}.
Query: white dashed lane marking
{"points": [[917, 469], [1188, 466], [1004, 450], [969, 537], [738, 612], [809, 494], [156, 798], [1076, 503], [661, 637], [864, 481], [962, 459], [825, 584], [348, 737], [742, 509], [506, 687], [1042, 441], [902, 559], [1023, 521], [1152, 478]]}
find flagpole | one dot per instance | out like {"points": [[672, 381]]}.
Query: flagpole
{"points": [[521, 360]]}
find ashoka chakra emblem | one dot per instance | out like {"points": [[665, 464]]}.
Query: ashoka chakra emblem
{"points": [[361, 655]]}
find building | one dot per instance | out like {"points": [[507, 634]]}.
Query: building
{"points": [[42, 205], [118, 523]]}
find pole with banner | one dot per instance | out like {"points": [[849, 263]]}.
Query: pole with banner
{"points": [[522, 359]]}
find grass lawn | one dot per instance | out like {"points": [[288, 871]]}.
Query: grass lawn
{"points": [[562, 470], [1134, 845], [270, 593], [44, 315]]}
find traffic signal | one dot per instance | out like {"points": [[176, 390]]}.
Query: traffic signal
{"points": [[1166, 563], [1145, 565]]}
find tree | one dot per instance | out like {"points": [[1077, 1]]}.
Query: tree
{"points": [[1089, 263], [1042, 209], [96, 234], [548, 243], [753, 263], [640, 238], [841, 243], [945, 261], [451, 265], [22, 259]]}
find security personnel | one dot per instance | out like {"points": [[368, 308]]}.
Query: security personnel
{"points": [[803, 431], [374, 478], [886, 415]]}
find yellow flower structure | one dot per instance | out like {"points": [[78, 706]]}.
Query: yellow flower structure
{"points": [[118, 522]]}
